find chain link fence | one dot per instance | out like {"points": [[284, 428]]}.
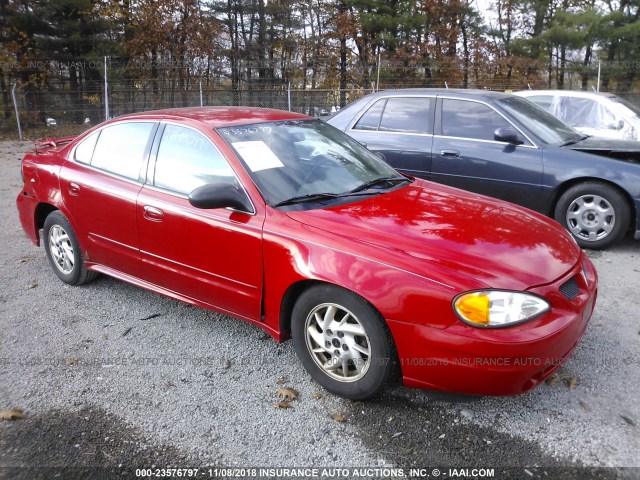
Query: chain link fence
{"points": [[59, 106], [52, 110]]}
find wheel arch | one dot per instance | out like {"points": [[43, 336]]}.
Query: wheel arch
{"points": [[296, 289], [289, 299], [566, 185], [41, 213]]}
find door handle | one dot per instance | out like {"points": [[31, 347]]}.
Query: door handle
{"points": [[152, 213], [450, 153], [74, 189]]}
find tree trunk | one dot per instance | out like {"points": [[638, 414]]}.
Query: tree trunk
{"points": [[7, 101], [342, 9], [540, 10], [465, 50], [563, 64], [584, 76]]}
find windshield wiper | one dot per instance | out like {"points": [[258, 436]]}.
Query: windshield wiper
{"points": [[312, 197], [379, 181]]}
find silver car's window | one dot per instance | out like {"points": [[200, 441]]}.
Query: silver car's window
{"points": [[187, 160], [461, 118], [538, 121], [543, 101], [629, 105], [120, 148], [407, 115], [399, 115], [371, 119], [580, 112]]}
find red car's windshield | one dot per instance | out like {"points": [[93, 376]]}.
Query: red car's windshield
{"points": [[302, 158]]}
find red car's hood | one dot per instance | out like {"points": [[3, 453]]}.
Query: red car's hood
{"points": [[496, 243]]}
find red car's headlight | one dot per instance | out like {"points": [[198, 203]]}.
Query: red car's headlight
{"points": [[498, 308]]}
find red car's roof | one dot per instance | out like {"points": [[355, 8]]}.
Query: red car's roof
{"points": [[220, 116]]}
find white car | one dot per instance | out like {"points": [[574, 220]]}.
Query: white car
{"points": [[597, 114]]}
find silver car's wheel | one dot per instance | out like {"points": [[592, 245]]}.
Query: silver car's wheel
{"points": [[343, 342], [596, 214], [591, 217], [338, 342], [61, 249]]}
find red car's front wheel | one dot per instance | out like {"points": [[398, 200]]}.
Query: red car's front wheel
{"points": [[343, 342]]}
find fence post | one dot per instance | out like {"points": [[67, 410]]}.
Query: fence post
{"points": [[289, 95], [378, 75], [201, 101], [106, 92], [15, 105]]}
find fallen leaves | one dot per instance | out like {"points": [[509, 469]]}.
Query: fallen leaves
{"points": [[25, 259], [32, 285], [569, 380], [339, 417], [287, 393], [71, 361], [12, 414], [317, 396], [552, 380], [585, 406]]}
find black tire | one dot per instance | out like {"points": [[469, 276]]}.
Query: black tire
{"points": [[596, 214], [63, 250], [347, 344]]}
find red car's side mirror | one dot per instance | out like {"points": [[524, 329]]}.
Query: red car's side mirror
{"points": [[220, 195]]}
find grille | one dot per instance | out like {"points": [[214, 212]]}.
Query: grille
{"points": [[570, 289]]}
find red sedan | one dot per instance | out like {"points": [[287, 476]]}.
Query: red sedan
{"points": [[283, 221]]}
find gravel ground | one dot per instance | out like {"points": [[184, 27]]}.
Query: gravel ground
{"points": [[112, 378]]}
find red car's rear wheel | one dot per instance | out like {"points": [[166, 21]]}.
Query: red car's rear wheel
{"points": [[63, 250]]}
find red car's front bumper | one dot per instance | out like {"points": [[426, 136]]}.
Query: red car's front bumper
{"points": [[504, 361]]}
